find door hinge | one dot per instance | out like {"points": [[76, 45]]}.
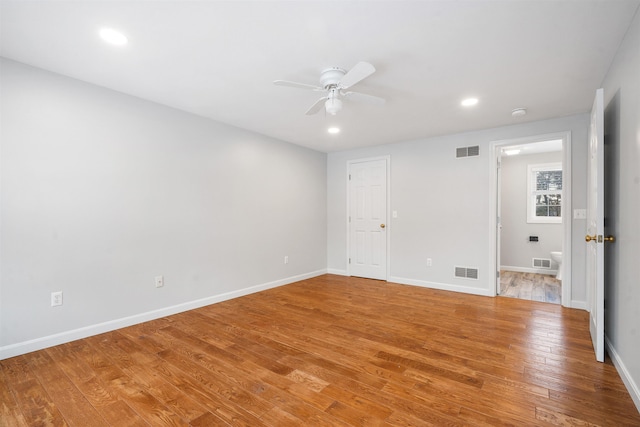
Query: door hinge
{"points": [[349, 177], [349, 260], [349, 218], [497, 274]]}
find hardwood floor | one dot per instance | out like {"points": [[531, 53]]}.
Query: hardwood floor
{"points": [[530, 286], [329, 351]]}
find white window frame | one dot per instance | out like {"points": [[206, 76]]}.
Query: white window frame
{"points": [[532, 193]]}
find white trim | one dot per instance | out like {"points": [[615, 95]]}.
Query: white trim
{"points": [[627, 379], [567, 221], [581, 305], [99, 328], [494, 160], [529, 270], [442, 286], [337, 271], [495, 147], [387, 158]]}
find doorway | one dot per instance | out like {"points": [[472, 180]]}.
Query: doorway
{"points": [[532, 202], [367, 205]]}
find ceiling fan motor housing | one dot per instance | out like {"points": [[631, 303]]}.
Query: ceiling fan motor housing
{"points": [[331, 77]]}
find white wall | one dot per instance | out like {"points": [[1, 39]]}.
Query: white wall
{"points": [[516, 250], [102, 191], [622, 209], [443, 206]]}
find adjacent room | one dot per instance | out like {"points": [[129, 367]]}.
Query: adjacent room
{"points": [[530, 230], [271, 213]]}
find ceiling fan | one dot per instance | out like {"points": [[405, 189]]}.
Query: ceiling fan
{"points": [[334, 82]]}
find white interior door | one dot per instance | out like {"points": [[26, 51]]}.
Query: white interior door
{"points": [[595, 226], [368, 219]]}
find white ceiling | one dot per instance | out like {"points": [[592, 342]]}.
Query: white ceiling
{"points": [[218, 59]]}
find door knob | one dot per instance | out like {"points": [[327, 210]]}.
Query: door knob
{"points": [[599, 238], [382, 226]]}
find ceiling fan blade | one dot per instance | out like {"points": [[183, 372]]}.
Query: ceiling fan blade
{"points": [[317, 106], [360, 71], [363, 97], [296, 85]]}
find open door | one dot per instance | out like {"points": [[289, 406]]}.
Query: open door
{"points": [[595, 226]]}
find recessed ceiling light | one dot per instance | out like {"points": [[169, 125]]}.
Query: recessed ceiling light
{"points": [[519, 112], [333, 130], [469, 102], [113, 37], [511, 152]]}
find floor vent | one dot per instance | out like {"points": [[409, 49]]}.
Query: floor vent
{"points": [[541, 263], [466, 273], [468, 151]]}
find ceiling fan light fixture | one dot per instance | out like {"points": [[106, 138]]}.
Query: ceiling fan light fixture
{"points": [[333, 105]]}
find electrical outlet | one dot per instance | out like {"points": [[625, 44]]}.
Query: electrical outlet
{"points": [[286, 259], [159, 281], [56, 298], [429, 262]]}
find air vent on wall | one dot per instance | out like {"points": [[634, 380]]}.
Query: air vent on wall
{"points": [[541, 263], [466, 273], [468, 151]]}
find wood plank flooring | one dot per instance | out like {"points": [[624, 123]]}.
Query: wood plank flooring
{"points": [[329, 351], [530, 286]]}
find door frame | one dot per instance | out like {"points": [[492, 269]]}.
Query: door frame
{"points": [[495, 147], [387, 160]]}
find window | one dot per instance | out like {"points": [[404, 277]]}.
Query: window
{"points": [[544, 201]]}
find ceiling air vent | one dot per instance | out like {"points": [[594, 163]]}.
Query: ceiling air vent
{"points": [[466, 273], [468, 151], [541, 263]]}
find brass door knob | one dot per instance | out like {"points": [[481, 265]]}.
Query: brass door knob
{"points": [[599, 238], [382, 226]]}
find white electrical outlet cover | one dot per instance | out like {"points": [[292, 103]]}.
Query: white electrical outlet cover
{"points": [[56, 298]]}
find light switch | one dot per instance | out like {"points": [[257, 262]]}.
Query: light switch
{"points": [[394, 214], [579, 214]]}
